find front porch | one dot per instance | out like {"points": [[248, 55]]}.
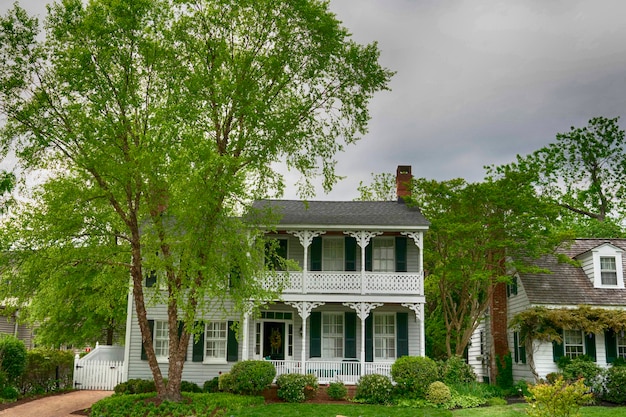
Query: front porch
{"points": [[347, 371]]}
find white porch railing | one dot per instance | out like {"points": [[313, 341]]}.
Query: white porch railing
{"points": [[347, 283], [347, 372]]}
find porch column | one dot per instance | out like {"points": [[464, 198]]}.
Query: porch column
{"points": [[363, 239], [363, 312], [305, 237], [304, 311], [419, 315], [245, 340]]}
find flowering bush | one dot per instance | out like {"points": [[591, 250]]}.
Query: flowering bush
{"points": [[374, 389], [296, 388]]}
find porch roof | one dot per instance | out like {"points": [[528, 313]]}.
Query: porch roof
{"points": [[348, 214]]}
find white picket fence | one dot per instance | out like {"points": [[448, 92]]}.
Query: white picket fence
{"points": [[97, 375]]}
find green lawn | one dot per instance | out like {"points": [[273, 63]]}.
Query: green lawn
{"points": [[332, 410], [517, 410]]}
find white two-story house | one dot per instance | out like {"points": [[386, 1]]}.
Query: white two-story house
{"points": [[354, 304], [595, 279]]}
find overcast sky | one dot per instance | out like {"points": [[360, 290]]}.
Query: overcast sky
{"points": [[477, 82]]}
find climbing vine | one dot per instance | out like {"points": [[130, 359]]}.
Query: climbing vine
{"points": [[545, 324]]}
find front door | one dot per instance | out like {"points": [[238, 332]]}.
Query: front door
{"points": [[274, 340]]}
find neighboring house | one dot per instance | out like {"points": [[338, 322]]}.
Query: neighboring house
{"points": [[9, 325], [355, 305], [595, 280]]}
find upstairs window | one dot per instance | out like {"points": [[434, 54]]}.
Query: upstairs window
{"points": [[383, 254], [332, 258], [608, 270]]}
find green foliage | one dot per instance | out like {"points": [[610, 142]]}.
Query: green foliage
{"points": [[438, 393], [187, 386], [413, 375], [251, 376], [382, 188], [456, 370], [374, 389], [504, 378], [224, 382], [296, 388], [337, 390], [9, 393], [212, 385], [135, 386], [47, 370], [615, 385], [12, 357], [521, 388], [561, 399], [583, 367], [193, 405]]}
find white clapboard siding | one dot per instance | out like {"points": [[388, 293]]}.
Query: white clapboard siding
{"points": [[97, 375]]}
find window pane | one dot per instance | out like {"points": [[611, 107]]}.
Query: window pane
{"points": [[161, 340], [621, 345], [383, 254], [332, 254], [215, 340], [573, 343], [384, 336], [608, 270], [332, 335]]}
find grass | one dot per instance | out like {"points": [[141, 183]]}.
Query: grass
{"points": [[517, 410], [332, 410]]}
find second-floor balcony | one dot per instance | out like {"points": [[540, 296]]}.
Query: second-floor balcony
{"points": [[342, 282]]}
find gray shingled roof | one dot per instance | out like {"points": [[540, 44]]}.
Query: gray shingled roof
{"points": [[568, 284], [386, 214]]}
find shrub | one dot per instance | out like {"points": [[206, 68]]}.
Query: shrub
{"points": [[212, 385], [225, 382], [438, 393], [413, 375], [558, 399], [9, 393], [584, 367], [251, 376], [616, 384], [521, 388], [12, 357], [456, 370], [187, 386], [337, 390], [296, 388], [47, 370], [374, 389], [504, 378], [135, 386]]}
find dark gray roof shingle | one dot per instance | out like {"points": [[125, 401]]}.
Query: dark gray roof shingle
{"points": [[568, 284], [345, 213]]}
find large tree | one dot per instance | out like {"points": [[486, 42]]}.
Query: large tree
{"points": [[165, 118], [583, 172]]}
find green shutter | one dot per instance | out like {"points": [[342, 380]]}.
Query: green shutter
{"points": [[522, 351], [369, 338], [350, 335], [144, 355], [151, 279], [315, 333], [368, 256], [557, 349], [350, 252], [401, 265], [402, 334], [515, 347], [197, 354], [316, 254], [232, 347], [610, 341], [590, 345]]}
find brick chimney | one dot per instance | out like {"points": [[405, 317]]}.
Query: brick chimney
{"points": [[403, 182]]}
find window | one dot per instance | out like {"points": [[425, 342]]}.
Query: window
{"points": [[332, 335], [608, 270], [384, 336], [519, 353], [215, 341], [333, 254], [161, 340], [621, 345], [511, 288], [383, 257], [573, 343]]}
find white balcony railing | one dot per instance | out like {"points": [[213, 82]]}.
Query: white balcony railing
{"points": [[347, 372], [347, 283]]}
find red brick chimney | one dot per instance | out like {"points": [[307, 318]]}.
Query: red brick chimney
{"points": [[403, 182]]}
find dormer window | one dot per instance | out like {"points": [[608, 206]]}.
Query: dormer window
{"points": [[608, 270]]}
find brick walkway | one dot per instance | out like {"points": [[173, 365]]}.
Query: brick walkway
{"points": [[57, 405]]}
